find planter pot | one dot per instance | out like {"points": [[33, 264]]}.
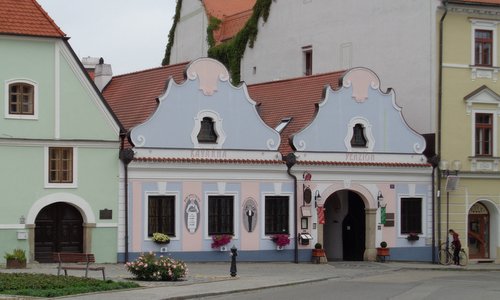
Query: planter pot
{"points": [[162, 243], [15, 264], [413, 238], [318, 252], [383, 251]]}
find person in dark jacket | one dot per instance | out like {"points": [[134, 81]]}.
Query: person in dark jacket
{"points": [[457, 246]]}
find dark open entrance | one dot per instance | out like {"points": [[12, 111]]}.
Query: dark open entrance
{"points": [[58, 228], [353, 228]]}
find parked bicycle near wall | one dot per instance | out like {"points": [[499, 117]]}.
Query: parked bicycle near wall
{"points": [[445, 255]]}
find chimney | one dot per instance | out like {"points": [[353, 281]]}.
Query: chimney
{"points": [[102, 74]]}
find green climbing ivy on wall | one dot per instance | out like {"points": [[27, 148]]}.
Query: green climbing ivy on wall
{"points": [[171, 34], [213, 25], [231, 52]]}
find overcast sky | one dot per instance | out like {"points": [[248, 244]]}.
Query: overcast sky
{"points": [[131, 35]]}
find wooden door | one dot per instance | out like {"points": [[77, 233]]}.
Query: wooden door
{"points": [[58, 228], [353, 229], [478, 233]]}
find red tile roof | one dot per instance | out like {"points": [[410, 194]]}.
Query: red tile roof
{"points": [[296, 98], [132, 96], [225, 8], [366, 164], [26, 17], [210, 160], [233, 13], [231, 25]]}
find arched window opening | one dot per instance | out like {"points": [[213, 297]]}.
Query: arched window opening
{"points": [[207, 132], [358, 136]]}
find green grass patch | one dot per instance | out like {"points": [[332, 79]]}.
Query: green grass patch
{"points": [[43, 285]]}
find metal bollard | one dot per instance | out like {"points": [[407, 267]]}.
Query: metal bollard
{"points": [[234, 253]]}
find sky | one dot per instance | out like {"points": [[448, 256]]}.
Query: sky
{"points": [[131, 35]]}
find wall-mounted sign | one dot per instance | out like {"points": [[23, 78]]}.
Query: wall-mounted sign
{"points": [[105, 214], [192, 213], [249, 214]]}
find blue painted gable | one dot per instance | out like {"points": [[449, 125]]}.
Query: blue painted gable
{"points": [[359, 101], [207, 92]]}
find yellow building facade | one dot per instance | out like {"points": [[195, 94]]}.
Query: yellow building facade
{"points": [[468, 135]]}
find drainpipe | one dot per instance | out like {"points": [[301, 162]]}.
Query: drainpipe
{"points": [[440, 108], [126, 156], [290, 161]]}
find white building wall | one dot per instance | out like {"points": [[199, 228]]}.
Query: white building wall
{"points": [[394, 38], [190, 40]]}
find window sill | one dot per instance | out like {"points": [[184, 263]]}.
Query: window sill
{"points": [[484, 163], [61, 185], [488, 72]]}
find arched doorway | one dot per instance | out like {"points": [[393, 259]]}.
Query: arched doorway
{"points": [[478, 236], [344, 231], [58, 228]]}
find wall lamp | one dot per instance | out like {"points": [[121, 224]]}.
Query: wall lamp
{"points": [[446, 171], [380, 200], [317, 198]]}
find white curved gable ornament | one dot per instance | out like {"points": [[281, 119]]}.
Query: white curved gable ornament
{"points": [[209, 72], [361, 79]]}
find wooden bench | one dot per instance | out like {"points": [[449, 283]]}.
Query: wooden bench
{"points": [[84, 259]]}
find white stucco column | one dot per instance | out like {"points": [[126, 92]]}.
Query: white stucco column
{"points": [[370, 234]]}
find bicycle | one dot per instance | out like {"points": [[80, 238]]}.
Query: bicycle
{"points": [[445, 255]]}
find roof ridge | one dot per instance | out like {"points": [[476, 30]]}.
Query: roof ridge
{"points": [[51, 21], [152, 69], [298, 78]]}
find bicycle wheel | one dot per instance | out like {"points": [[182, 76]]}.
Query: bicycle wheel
{"points": [[464, 260], [444, 257]]}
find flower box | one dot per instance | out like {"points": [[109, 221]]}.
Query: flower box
{"points": [[413, 237], [221, 240], [15, 264], [160, 238]]}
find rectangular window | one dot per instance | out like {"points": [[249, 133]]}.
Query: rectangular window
{"points": [[411, 215], [220, 215], [484, 134], [483, 47], [21, 99], [276, 214], [60, 165], [161, 215], [308, 60]]}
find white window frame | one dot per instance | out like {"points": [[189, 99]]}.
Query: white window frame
{"points": [[423, 213], [478, 24], [8, 115], [49, 184], [370, 141], [178, 215], [473, 131], [236, 212], [217, 126], [305, 51]]}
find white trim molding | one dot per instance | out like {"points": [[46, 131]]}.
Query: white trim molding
{"points": [[367, 130], [78, 202], [177, 209], [221, 135]]}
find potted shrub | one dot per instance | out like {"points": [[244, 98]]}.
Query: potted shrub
{"points": [[281, 240], [220, 241], [318, 250], [16, 259], [160, 238], [383, 251]]}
